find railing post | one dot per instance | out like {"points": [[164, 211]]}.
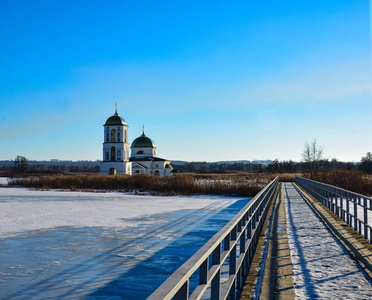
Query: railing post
{"points": [[203, 272], [232, 271], [348, 218], [226, 242], [355, 213], [215, 286], [342, 205], [242, 243], [183, 292], [365, 212]]}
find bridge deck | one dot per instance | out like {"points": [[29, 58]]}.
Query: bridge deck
{"points": [[319, 266]]}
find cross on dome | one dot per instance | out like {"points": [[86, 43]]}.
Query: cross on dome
{"points": [[116, 109]]}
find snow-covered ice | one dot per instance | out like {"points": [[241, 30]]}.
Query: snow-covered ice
{"points": [[321, 267], [3, 181], [36, 210], [92, 245]]}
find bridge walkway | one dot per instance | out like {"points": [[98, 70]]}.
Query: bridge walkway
{"points": [[305, 260]]}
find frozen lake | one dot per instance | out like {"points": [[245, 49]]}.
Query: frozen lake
{"points": [[100, 245]]}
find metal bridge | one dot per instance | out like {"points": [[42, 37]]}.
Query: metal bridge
{"points": [[293, 240]]}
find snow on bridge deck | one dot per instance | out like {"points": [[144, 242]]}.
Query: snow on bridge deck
{"points": [[321, 267]]}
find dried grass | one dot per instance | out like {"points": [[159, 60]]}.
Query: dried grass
{"points": [[352, 180], [171, 185]]}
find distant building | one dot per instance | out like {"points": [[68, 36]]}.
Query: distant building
{"points": [[116, 158], [144, 160]]}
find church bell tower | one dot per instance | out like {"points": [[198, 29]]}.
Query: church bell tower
{"points": [[115, 146]]}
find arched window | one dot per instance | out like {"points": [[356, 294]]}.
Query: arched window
{"points": [[113, 157], [137, 172], [112, 171], [107, 137], [113, 135], [140, 152], [157, 173], [118, 136]]}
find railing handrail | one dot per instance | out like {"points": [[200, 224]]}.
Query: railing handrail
{"points": [[335, 198], [179, 279], [336, 187]]}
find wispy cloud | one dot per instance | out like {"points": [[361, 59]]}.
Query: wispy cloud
{"points": [[316, 84]]}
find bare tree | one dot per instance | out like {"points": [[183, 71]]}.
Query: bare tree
{"points": [[20, 164], [312, 155]]}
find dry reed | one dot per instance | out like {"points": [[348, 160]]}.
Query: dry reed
{"points": [[171, 185], [352, 180]]}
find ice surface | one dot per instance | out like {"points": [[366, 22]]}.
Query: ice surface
{"points": [[100, 245], [321, 267], [34, 210]]}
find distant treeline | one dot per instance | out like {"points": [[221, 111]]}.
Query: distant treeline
{"points": [[21, 165], [53, 166], [273, 167]]}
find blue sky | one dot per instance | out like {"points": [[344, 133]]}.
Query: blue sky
{"points": [[210, 80]]}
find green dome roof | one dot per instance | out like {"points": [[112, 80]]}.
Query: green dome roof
{"points": [[115, 120], [143, 142]]}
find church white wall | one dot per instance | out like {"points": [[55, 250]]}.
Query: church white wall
{"points": [[120, 167], [147, 152], [153, 167]]}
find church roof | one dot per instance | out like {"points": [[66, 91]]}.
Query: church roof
{"points": [[146, 158], [138, 166], [115, 120], [143, 142]]}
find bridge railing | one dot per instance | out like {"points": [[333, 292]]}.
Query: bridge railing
{"points": [[353, 208], [229, 251]]}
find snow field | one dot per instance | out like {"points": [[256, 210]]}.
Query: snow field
{"points": [[76, 245], [23, 210]]}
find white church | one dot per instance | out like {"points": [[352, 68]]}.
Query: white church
{"points": [[116, 158]]}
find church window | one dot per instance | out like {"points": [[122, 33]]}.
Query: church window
{"points": [[137, 172], [107, 155], [107, 137], [113, 152], [108, 129], [118, 128], [140, 152], [118, 136], [118, 154], [113, 136], [157, 173]]}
